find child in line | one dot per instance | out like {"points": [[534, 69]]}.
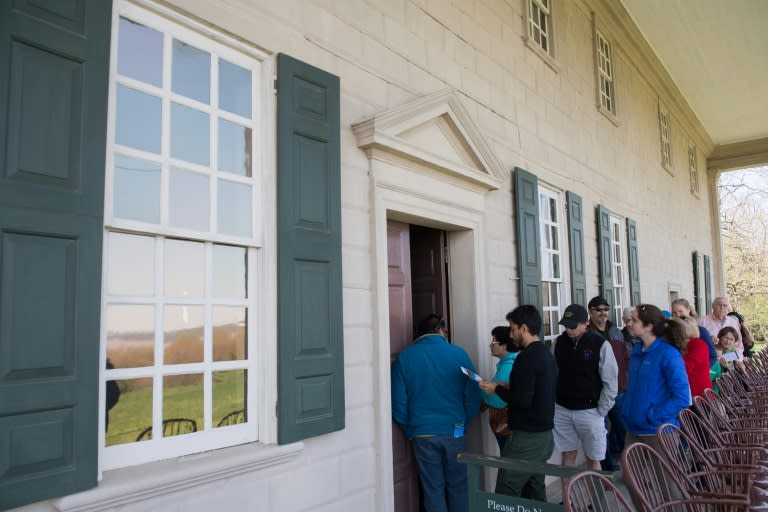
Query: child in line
{"points": [[727, 353]]}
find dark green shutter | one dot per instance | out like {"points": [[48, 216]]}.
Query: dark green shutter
{"points": [[53, 119], [576, 246], [528, 247], [707, 285], [605, 259], [696, 282], [309, 290], [634, 263]]}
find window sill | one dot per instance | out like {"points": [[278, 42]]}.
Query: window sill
{"points": [[609, 115], [668, 168], [135, 484], [538, 50]]}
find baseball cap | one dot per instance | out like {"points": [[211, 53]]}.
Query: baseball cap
{"points": [[574, 315], [597, 301]]}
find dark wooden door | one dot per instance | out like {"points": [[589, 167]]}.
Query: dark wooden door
{"points": [[428, 273], [406, 483]]}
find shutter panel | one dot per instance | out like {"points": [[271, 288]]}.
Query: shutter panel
{"points": [[309, 290], [634, 263], [696, 282], [707, 285], [53, 121], [528, 247], [576, 246], [605, 259]]}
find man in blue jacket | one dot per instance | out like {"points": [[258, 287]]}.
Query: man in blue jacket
{"points": [[433, 402]]}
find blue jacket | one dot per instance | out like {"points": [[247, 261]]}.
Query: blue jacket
{"points": [[657, 389], [503, 369], [430, 394]]}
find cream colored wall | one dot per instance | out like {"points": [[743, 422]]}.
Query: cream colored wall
{"points": [[388, 52]]}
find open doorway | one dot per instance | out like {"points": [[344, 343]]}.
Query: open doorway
{"points": [[418, 286]]}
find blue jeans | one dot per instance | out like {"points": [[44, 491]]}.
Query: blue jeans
{"points": [[616, 435], [443, 478]]}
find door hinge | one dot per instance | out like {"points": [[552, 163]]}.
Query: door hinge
{"points": [[445, 254]]}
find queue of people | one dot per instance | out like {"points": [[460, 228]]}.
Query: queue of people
{"points": [[597, 389]]}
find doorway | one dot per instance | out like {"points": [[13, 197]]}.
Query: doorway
{"points": [[418, 285]]}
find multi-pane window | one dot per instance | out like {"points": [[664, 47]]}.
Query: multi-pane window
{"points": [[666, 137], [619, 269], [540, 24], [182, 243], [605, 74], [693, 169], [550, 227]]}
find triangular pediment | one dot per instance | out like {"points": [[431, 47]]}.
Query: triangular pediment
{"points": [[435, 130]]}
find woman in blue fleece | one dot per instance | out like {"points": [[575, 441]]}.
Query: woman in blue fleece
{"points": [[658, 385]]}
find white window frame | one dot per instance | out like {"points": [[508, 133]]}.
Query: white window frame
{"points": [[532, 26], [620, 267], [261, 299], [693, 169], [605, 74], [553, 313], [665, 133]]}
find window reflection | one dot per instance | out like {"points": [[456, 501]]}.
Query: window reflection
{"points": [[229, 328], [183, 334], [137, 189], [140, 52], [184, 268], [234, 89], [234, 209], [189, 200], [130, 264], [191, 72], [138, 120], [229, 271], [132, 413], [182, 404], [131, 335], [235, 148], [190, 135], [229, 398]]}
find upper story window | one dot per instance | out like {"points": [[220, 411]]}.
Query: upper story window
{"points": [[666, 137], [552, 292], [539, 29], [606, 89], [693, 169], [184, 250], [618, 254]]}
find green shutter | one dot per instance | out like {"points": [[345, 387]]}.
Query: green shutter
{"points": [[696, 282], [53, 119], [528, 250], [576, 246], [634, 263], [605, 259], [309, 290], [707, 285]]}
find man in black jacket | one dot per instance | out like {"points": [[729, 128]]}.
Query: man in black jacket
{"points": [[531, 399]]}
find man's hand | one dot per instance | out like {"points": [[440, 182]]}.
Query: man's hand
{"points": [[488, 386]]}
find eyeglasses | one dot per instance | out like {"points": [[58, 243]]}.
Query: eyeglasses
{"points": [[495, 342], [601, 309]]}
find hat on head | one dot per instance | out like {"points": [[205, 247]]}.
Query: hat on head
{"points": [[597, 301], [574, 315], [666, 313]]}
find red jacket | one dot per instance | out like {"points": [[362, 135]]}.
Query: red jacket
{"points": [[697, 366]]}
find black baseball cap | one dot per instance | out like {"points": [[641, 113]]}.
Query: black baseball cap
{"points": [[597, 301], [574, 315]]}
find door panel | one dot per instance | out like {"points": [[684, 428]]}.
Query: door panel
{"points": [[428, 273]]}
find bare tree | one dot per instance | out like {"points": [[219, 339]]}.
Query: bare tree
{"points": [[744, 231]]}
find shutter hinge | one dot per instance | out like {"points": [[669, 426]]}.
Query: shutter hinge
{"points": [[274, 86], [277, 413]]}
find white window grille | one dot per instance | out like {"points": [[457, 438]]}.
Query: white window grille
{"points": [[550, 228], [618, 253], [693, 169], [539, 29], [184, 255], [666, 138], [605, 74]]}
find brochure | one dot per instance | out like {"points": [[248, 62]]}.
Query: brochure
{"points": [[472, 375], [731, 356]]}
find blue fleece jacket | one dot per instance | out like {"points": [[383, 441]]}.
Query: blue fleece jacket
{"points": [[430, 394], [657, 389], [503, 369]]}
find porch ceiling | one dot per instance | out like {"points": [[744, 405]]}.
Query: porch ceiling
{"points": [[716, 51]]}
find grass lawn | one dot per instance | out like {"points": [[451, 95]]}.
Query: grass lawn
{"points": [[133, 413]]}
